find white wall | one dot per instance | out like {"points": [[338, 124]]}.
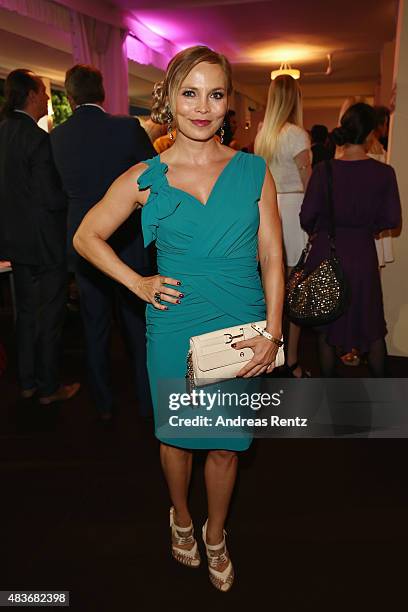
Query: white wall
{"points": [[395, 281], [324, 116], [384, 89]]}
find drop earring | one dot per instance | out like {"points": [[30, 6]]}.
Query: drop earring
{"points": [[222, 132], [169, 126]]}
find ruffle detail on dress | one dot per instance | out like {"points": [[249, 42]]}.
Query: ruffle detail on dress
{"points": [[162, 201]]}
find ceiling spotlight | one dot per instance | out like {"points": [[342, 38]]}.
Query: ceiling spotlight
{"points": [[285, 69]]}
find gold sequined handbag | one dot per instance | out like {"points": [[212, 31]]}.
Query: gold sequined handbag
{"points": [[212, 358], [321, 296]]}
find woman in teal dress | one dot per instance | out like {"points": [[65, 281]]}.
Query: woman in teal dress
{"points": [[212, 213]]}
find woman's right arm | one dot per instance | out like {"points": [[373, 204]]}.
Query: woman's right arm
{"points": [[299, 143], [90, 240], [304, 165], [313, 201]]}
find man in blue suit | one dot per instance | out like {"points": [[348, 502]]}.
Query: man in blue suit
{"points": [[91, 149]]}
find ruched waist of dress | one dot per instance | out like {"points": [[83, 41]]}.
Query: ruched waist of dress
{"points": [[214, 286], [206, 266]]}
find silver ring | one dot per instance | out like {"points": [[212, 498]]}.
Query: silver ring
{"points": [[157, 297]]}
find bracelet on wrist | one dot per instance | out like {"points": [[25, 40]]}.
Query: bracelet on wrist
{"points": [[267, 335]]}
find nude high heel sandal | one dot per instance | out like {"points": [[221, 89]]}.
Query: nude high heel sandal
{"points": [[218, 555], [180, 538]]}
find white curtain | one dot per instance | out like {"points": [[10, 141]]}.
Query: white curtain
{"points": [[142, 54], [103, 46], [42, 10], [93, 42]]}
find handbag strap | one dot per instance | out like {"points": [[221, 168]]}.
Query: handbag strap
{"points": [[330, 201]]}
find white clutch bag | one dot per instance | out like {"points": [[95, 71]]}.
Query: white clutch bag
{"points": [[212, 359]]}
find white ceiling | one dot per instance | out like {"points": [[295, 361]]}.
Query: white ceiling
{"points": [[22, 44], [256, 34], [250, 33]]}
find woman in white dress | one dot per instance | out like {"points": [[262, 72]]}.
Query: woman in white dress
{"points": [[285, 146]]}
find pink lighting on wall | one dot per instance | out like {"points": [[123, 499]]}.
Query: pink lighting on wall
{"points": [[171, 30], [157, 30], [163, 28], [147, 47], [137, 51], [155, 41]]}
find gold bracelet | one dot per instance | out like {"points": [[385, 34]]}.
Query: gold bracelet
{"points": [[276, 341], [267, 335]]}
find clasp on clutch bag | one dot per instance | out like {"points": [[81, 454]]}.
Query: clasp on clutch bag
{"points": [[230, 337]]}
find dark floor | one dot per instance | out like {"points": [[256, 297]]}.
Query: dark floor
{"points": [[314, 524]]}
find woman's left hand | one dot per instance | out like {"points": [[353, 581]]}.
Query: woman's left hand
{"points": [[264, 356]]}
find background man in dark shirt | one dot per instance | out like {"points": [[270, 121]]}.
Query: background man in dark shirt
{"points": [[91, 149], [32, 236]]}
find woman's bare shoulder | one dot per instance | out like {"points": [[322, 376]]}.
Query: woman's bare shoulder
{"points": [[132, 174], [128, 182], [137, 170]]}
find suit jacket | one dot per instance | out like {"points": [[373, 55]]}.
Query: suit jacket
{"points": [[91, 149], [32, 202]]}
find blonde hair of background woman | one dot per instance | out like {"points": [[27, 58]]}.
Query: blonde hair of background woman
{"points": [[284, 105], [165, 92]]}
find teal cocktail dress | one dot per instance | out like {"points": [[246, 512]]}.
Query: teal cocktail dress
{"points": [[212, 250]]}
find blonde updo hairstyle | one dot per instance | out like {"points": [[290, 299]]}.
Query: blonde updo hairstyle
{"points": [[165, 92]]}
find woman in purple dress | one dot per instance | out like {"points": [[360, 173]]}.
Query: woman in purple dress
{"points": [[366, 202]]}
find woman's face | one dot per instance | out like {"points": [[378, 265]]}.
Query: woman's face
{"points": [[202, 102]]}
